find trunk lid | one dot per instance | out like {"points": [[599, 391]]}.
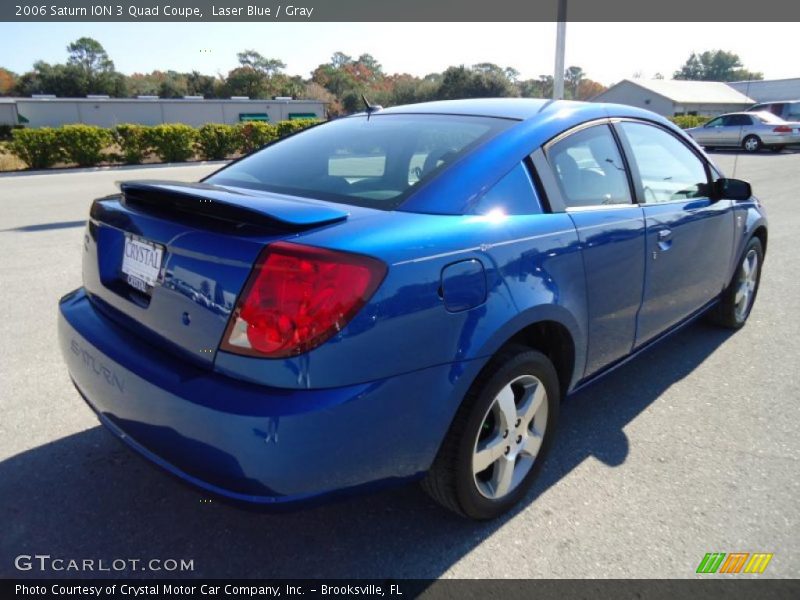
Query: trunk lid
{"points": [[208, 237]]}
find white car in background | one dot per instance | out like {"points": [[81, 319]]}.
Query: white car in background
{"points": [[751, 131], [788, 110]]}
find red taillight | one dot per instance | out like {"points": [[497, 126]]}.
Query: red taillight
{"points": [[782, 129], [297, 297]]}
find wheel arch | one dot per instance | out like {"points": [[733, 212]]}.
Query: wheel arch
{"points": [[554, 340], [549, 329], [761, 233]]}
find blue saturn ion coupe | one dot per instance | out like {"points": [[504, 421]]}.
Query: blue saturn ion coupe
{"points": [[403, 294]]}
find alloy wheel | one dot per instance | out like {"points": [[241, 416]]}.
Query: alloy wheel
{"points": [[751, 144], [746, 284], [510, 436]]}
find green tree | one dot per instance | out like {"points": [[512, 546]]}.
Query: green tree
{"points": [[369, 62], [546, 86], [340, 59], [573, 76], [481, 82], [512, 74], [246, 81], [88, 70], [198, 84], [89, 54], [715, 65], [268, 66], [173, 85]]}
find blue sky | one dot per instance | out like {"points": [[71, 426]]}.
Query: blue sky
{"points": [[607, 52]]}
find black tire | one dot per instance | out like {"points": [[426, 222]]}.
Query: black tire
{"points": [[450, 481], [752, 144], [727, 313]]}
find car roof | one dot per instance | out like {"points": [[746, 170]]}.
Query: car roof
{"points": [[523, 109], [776, 102], [503, 108], [752, 112]]}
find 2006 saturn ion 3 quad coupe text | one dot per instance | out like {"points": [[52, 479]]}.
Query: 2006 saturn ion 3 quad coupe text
{"points": [[406, 293]]}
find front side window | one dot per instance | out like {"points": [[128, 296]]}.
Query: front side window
{"points": [[375, 162], [738, 121], [668, 169], [715, 122], [589, 168]]}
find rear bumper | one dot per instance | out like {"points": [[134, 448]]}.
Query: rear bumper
{"points": [[248, 442], [775, 139]]}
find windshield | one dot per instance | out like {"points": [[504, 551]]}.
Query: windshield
{"points": [[375, 162]]}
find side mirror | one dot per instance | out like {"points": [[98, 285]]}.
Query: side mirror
{"points": [[732, 189]]}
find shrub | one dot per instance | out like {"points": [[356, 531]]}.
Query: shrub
{"points": [[83, 144], [38, 148], [289, 127], [687, 121], [134, 142], [173, 142], [5, 131], [216, 141], [255, 134]]}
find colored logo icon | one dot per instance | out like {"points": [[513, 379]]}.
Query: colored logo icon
{"points": [[734, 562]]}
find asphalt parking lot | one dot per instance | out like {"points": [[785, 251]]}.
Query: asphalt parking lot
{"points": [[691, 448]]}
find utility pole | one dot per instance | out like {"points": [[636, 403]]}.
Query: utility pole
{"points": [[561, 39]]}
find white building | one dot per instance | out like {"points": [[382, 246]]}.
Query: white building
{"points": [[670, 97], [769, 90], [107, 112]]}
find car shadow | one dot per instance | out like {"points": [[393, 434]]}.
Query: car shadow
{"points": [[723, 151], [47, 226], [88, 496]]}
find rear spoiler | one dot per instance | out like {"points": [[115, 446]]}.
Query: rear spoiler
{"points": [[228, 204]]}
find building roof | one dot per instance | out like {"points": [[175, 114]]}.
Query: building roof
{"points": [[766, 90], [692, 92]]}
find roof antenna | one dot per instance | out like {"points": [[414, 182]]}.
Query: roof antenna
{"points": [[371, 108]]}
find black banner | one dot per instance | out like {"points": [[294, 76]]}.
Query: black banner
{"points": [[397, 10], [507, 589]]}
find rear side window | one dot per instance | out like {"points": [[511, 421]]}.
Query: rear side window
{"points": [[375, 162], [775, 109], [513, 195], [668, 169], [589, 168]]}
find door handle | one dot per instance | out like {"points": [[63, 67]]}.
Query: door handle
{"points": [[665, 239]]}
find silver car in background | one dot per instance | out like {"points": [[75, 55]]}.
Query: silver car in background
{"points": [[788, 110], [749, 130]]}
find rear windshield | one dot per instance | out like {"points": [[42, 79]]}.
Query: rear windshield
{"points": [[766, 117], [375, 162]]}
